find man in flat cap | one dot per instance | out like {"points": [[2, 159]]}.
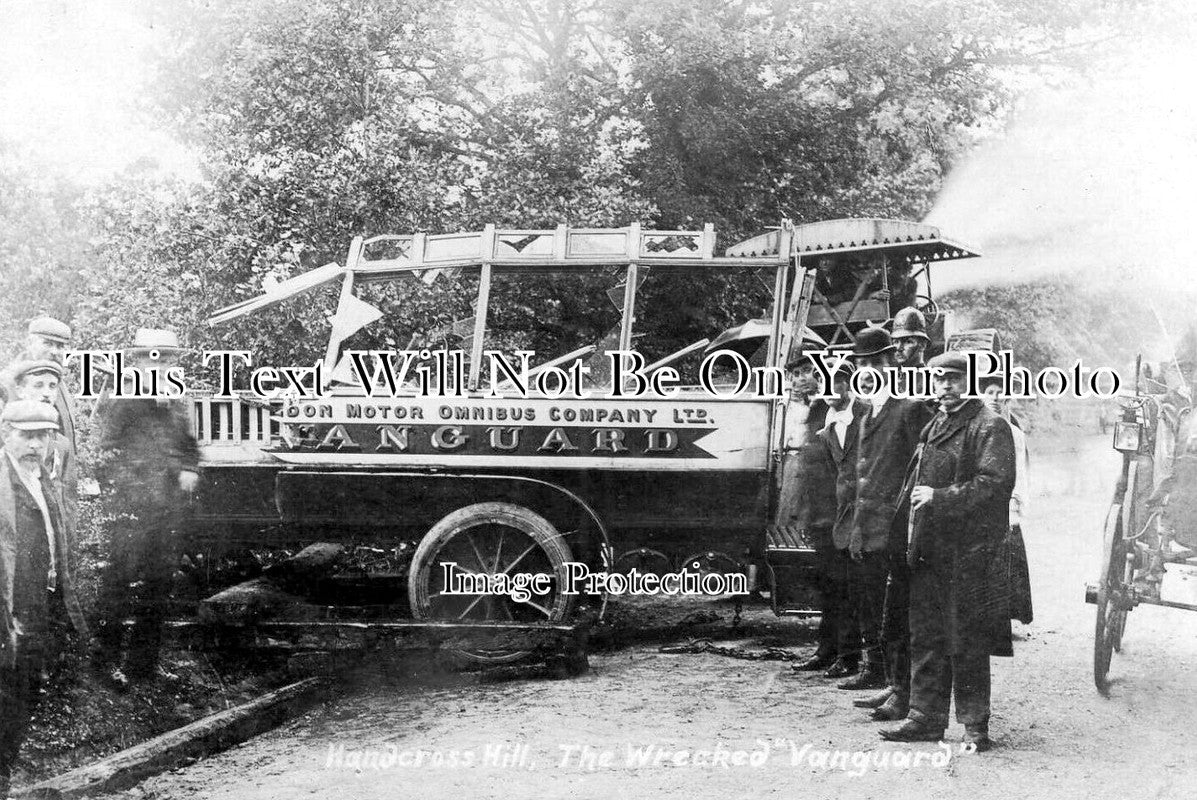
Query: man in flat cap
{"points": [[39, 381], [37, 599], [148, 468], [889, 434], [959, 608], [47, 340]]}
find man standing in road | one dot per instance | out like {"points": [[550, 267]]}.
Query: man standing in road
{"points": [[888, 438], [36, 591], [959, 611], [831, 487], [910, 346], [149, 465]]}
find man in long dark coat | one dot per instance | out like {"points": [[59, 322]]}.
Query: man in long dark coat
{"points": [[888, 437], [37, 599], [910, 342], [148, 466], [826, 500], [959, 614]]}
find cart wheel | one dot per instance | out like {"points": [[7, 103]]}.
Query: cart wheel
{"points": [[493, 539], [1138, 482], [1116, 579], [1103, 638]]}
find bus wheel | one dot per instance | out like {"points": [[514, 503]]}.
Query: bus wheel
{"points": [[490, 539]]}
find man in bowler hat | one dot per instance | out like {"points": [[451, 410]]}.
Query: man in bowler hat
{"points": [[887, 441]]}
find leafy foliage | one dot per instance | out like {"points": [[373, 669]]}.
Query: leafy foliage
{"points": [[319, 120], [1056, 320]]}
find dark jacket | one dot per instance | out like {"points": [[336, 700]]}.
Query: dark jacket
{"points": [[11, 489], [67, 463], [842, 463], [885, 447], [63, 454], [816, 488], [144, 445], [958, 597]]}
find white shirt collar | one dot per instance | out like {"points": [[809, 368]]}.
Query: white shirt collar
{"points": [[878, 400], [843, 416]]}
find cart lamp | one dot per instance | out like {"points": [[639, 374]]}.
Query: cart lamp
{"points": [[1128, 436]]}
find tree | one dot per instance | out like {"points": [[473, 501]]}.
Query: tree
{"points": [[42, 242], [1056, 320], [317, 121]]}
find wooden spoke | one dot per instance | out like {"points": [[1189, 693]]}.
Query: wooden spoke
{"points": [[472, 605], [498, 550], [542, 609], [477, 554], [518, 559]]}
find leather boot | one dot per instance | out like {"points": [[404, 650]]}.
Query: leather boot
{"points": [[871, 676], [912, 731], [893, 709], [820, 660], [978, 737], [842, 668], [874, 700]]}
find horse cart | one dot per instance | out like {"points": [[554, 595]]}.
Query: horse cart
{"points": [[1152, 521], [499, 481]]}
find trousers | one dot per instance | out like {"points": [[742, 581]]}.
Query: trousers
{"points": [[867, 588], [20, 689], [137, 583], [937, 676], [839, 634], [896, 626]]}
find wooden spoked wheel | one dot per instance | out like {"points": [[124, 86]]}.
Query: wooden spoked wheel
{"points": [[1134, 518], [1107, 598], [1115, 582], [492, 539]]}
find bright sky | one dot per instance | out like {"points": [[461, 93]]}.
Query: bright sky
{"points": [[71, 73], [1097, 178]]}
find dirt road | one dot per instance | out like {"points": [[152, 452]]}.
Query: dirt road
{"points": [[621, 730]]}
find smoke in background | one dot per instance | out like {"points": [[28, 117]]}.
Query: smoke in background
{"points": [[1096, 180]]}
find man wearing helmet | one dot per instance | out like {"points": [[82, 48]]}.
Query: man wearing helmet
{"points": [[910, 338]]}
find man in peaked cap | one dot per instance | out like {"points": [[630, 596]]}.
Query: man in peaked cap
{"points": [[959, 609], [148, 467], [887, 440], [36, 590], [38, 381], [46, 340]]}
